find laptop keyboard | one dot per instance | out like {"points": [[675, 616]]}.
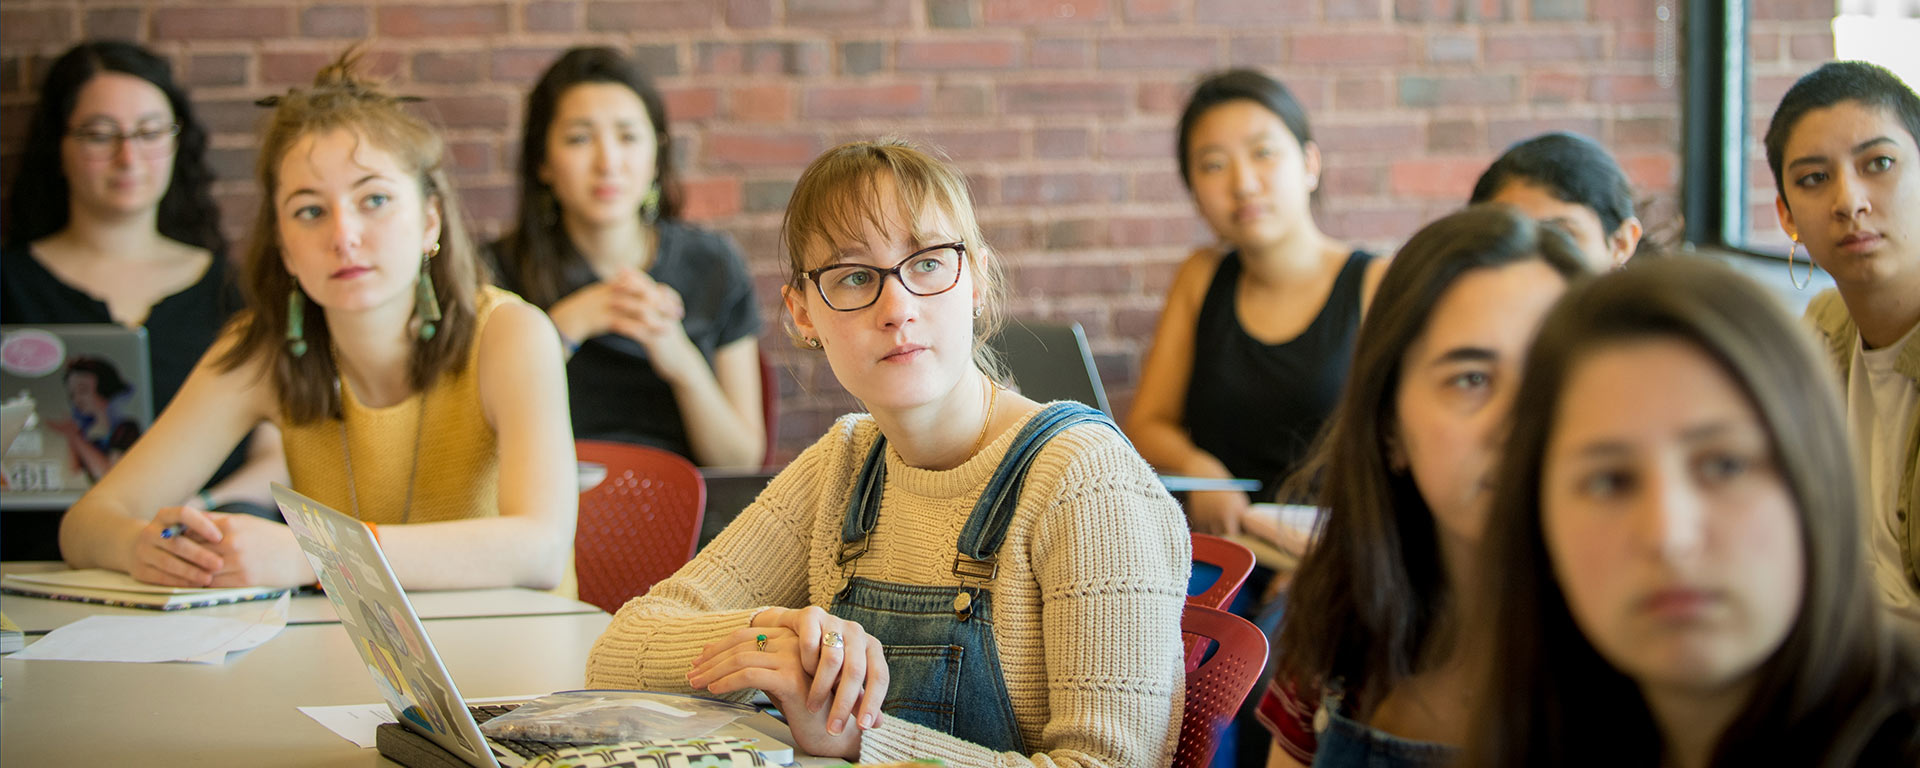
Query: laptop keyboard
{"points": [[526, 748]]}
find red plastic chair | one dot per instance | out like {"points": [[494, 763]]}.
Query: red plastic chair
{"points": [[1217, 684], [637, 526], [1235, 563]]}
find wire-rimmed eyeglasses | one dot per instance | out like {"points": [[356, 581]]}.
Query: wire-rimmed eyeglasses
{"points": [[102, 140], [930, 271]]}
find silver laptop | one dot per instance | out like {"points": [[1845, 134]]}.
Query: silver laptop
{"points": [[92, 389], [406, 668]]}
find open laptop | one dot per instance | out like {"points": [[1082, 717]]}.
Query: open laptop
{"points": [[728, 494], [438, 728], [91, 381], [1051, 362]]}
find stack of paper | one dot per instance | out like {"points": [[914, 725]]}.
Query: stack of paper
{"points": [[94, 585], [173, 637]]}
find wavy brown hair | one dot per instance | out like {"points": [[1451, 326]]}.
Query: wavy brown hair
{"points": [[1840, 684], [1369, 593], [341, 100]]}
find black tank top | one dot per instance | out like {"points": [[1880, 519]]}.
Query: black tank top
{"points": [[1255, 406]]}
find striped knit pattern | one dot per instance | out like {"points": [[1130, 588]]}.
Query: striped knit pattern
{"points": [[1087, 603], [459, 463]]}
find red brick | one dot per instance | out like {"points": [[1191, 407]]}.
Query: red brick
{"points": [[1428, 91], [1535, 46], [214, 69], [1100, 97], [760, 103], [648, 15], [449, 66], [1791, 10], [1351, 10], [1137, 143], [1181, 53], [1381, 48], [1555, 87], [229, 115], [1346, 179], [1367, 138], [1139, 231], [1253, 12], [35, 26], [691, 103], [711, 198], [1445, 178], [976, 145], [1030, 12], [470, 158], [835, 14], [1811, 46], [960, 100], [219, 23], [1062, 53], [550, 16], [1502, 134], [1646, 132], [758, 150], [1631, 89], [1153, 10], [441, 20], [1763, 46], [749, 14], [1063, 188], [1074, 233], [116, 24], [522, 66], [1164, 97], [1360, 93], [902, 100], [298, 68], [1267, 50], [1650, 170], [1455, 136], [951, 55], [1393, 222], [341, 21], [493, 112], [764, 57], [1636, 11], [1059, 143]]}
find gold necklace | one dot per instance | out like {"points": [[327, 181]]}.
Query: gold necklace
{"points": [[413, 474], [993, 401]]}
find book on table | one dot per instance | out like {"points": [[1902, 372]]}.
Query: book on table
{"points": [[94, 585]]}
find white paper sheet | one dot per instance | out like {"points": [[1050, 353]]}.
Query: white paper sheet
{"points": [[171, 637], [356, 722]]}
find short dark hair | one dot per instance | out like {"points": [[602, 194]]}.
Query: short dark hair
{"points": [[1367, 596], [39, 206], [534, 254], [1573, 168], [1835, 82], [1234, 85], [1836, 677]]}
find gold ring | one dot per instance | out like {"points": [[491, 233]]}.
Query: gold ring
{"points": [[832, 640], [760, 641]]}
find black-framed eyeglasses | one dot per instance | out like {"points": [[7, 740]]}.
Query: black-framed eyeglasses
{"points": [[101, 140], [930, 271]]}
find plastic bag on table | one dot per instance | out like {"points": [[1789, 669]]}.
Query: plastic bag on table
{"points": [[605, 716]]}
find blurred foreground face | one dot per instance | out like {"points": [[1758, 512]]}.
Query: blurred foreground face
{"points": [[1672, 532]]}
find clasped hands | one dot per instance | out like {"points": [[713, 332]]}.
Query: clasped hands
{"points": [[628, 303], [216, 549], [821, 687]]}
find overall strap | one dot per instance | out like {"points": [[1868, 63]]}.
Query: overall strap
{"points": [[863, 506], [986, 529]]}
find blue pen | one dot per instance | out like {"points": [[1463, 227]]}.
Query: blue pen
{"points": [[173, 530]]}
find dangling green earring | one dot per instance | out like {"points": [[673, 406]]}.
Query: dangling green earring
{"points": [[426, 305], [650, 205], [296, 321]]}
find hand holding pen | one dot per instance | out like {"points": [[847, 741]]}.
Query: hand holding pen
{"points": [[177, 548]]}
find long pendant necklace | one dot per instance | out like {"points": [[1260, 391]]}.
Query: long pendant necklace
{"points": [[413, 474]]}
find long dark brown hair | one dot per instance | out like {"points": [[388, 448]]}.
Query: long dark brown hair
{"points": [[536, 253], [1368, 594], [341, 100], [39, 200], [1839, 675]]}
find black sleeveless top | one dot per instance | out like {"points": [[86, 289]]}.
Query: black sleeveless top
{"points": [[1255, 406]]}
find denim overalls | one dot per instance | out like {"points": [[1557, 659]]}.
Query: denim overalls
{"points": [[1348, 743], [942, 663]]}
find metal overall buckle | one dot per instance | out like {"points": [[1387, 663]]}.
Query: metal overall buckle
{"points": [[968, 568]]}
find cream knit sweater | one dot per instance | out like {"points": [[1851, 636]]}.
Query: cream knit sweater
{"points": [[1092, 580]]}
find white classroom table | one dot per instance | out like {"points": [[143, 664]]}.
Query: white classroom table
{"points": [[244, 712]]}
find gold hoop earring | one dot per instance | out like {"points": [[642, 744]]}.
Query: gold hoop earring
{"points": [[1797, 284]]}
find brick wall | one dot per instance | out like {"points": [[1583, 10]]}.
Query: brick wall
{"points": [[1061, 111], [1785, 39]]}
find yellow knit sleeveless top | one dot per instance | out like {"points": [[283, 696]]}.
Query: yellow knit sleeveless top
{"points": [[459, 466]]}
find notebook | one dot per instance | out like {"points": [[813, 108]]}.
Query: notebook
{"points": [[435, 725], [94, 585], [92, 382]]}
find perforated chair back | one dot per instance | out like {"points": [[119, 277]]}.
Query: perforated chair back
{"points": [[637, 526], [1218, 682], [1233, 562]]}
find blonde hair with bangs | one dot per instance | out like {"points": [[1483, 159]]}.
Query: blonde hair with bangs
{"points": [[838, 196]]}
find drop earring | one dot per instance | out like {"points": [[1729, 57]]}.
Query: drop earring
{"points": [[296, 324], [650, 205], [426, 304]]}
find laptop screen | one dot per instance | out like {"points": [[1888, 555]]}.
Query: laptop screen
{"points": [[92, 390]]}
